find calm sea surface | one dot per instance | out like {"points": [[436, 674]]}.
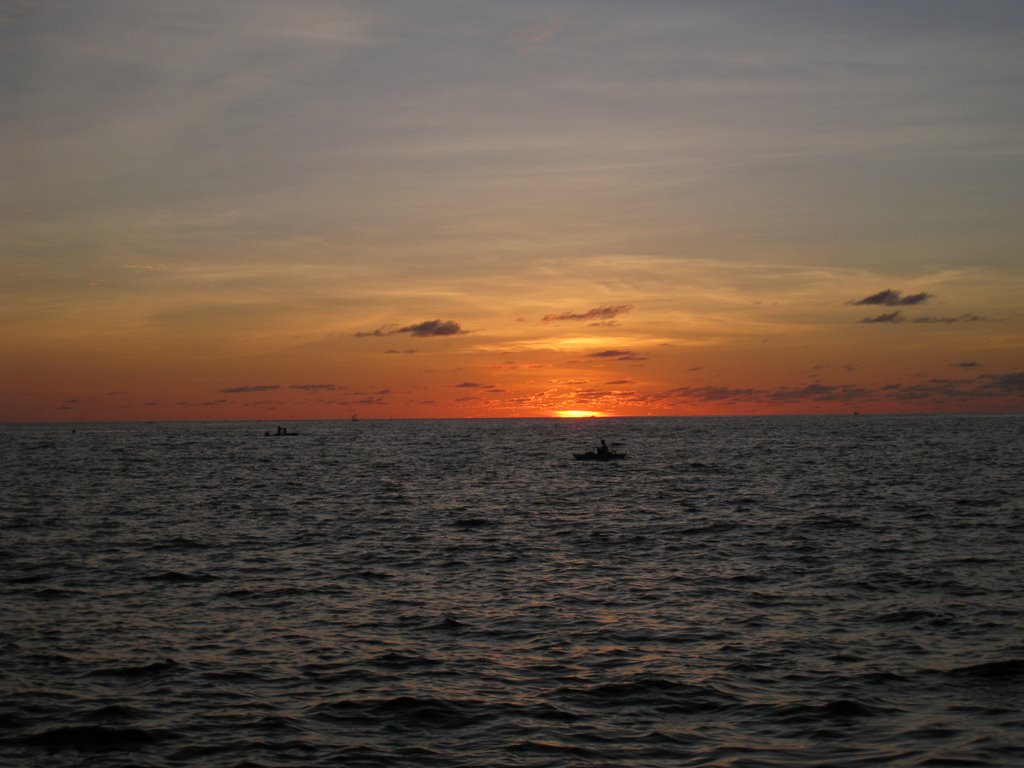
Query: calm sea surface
{"points": [[841, 591]]}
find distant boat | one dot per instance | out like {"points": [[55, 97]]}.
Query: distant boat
{"points": [[596, 456], [354, 417], [603, 453], [281, 432]]}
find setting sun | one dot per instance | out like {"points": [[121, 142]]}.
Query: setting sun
{"points": [[578, 414]]}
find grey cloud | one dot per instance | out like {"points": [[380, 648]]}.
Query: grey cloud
{"points": [[887, 317], [384, 330], [426, 328], [820, 392], [984, 387], [492, 388], [1009, 382], [715, 393], [251, 388], [618, 354], [314, 387], [891, 298], [434, 328], [597, 313], [968, 318]]}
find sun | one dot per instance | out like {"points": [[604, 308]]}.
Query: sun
{"points": [[579, 414]]}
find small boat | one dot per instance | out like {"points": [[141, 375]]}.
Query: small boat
{"points": [[597, 456]]}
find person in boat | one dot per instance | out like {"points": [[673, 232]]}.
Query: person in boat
{"points": [[602, 450]]}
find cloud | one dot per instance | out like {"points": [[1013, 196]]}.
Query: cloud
{"points": [[891, 298], [820, 392], [251, 388], [400, 352], [314, 387], [597, 313], [538, 35], [475, 385], [385, 330], [985, 387], [817, 392], [620, 381], [368, 401], [968, 318], [434, 328], [714, 393], [1008, 382], [896, 316], [967, 364], [887, 317], [426, 328], [146, 267], [618, 354]]}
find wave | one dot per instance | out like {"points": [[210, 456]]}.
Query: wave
{"points": [[95, 738], [146, 670], [180, 577], [406, 712], [659, 693], [1007, 668]]}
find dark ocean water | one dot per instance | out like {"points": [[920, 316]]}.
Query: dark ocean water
{"points": [[841, 591]]}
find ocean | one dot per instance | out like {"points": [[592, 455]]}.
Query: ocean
{"points": [[782, 591]]}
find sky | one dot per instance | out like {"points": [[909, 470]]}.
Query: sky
{"points": [[251, 209]]}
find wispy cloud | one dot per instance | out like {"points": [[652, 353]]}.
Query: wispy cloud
{"points": [[434, 328], [137, 268], [617, 354], [1007, 382], [985, 387], [897, 316], [886, 317], [968, 318], [424, 329], [967, 364], [313, 387], [540, 35], [891, 298], [597, 313], [251, 388]]}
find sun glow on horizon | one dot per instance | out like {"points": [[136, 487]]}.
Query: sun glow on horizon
{"points": [[580, 414]]}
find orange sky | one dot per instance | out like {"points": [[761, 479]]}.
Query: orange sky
{"points": [[308, 210]]}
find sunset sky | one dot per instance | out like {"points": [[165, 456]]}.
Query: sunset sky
{"points": [[251, 209]]}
